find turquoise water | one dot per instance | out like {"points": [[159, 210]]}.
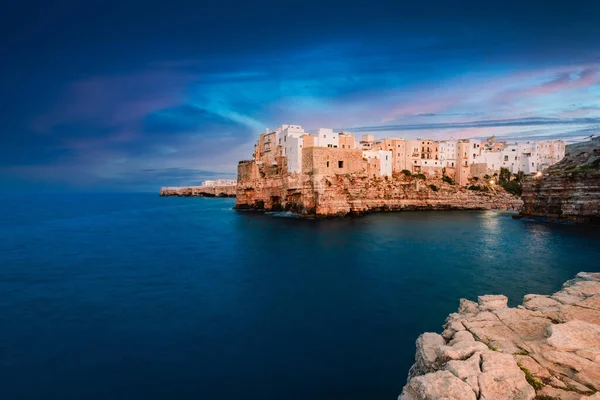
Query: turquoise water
{"points": [[135, 296]]}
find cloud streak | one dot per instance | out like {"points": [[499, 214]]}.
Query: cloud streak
{"points": [[517, 122]]}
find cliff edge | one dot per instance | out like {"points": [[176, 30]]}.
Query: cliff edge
{"points": [[547, 348], [568, 191], [271, 188]]}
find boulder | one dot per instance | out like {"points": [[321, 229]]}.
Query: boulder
{"points": [[437, 385], [490, 302], [574, 335], [460, 350], [427, 349], [468, 307], [502, 379]]}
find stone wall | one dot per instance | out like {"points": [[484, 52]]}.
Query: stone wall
{"points": [[569, 191], [198, 191], [326, 161], [547, 348]]}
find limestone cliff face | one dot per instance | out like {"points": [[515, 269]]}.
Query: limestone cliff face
{"points": [[548, 348], [267, 188], [199, 191], [569, 191]]}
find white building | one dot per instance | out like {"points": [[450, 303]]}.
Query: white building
{"points": [[528, 157], [447, 153], [290, 137], [385, 160], [220, 182], [474, 150], [325, 137], [493, 159]]}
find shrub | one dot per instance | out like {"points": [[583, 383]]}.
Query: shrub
{"points": [[474, 187], [518, 176], [406, 172], [420, 176], [434, 188], [532, 380], [504, 176], [513, 187], [447, 179]]}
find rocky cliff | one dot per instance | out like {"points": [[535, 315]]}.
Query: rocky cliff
{"points": [[569, 191], [547, 348], [353, 194], [199, 191]]}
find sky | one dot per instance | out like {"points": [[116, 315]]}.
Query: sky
{"points": [[134, 95]]}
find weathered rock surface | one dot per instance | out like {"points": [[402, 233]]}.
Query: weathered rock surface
{"points": [[568, 191], [198, 191], [269, 188], [549, 346]]}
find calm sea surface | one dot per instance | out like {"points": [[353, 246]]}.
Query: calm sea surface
{"points": [[134, 296]]}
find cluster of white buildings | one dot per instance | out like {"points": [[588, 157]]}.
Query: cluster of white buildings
{"points": [[473, 156], [220, 182]]}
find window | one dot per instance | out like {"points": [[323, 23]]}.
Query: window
{"points": [[386, 158], [505, 158], [340, 164], [327, 164]]}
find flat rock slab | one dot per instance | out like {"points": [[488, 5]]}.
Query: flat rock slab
{"points": [[549, 346]]}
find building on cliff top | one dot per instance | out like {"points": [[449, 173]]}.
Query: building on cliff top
{"points": [[460, 159]]}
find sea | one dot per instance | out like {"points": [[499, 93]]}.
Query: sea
{"points": [[136, 296]]}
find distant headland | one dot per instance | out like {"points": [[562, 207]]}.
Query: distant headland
{"points": [[218, 188]]}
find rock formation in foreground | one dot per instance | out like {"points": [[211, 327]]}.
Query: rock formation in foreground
{"points": [[547, 348], [198, 191], [568, 191]]}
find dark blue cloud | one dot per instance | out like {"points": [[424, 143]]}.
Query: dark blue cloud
{"points": [[95, 92]]}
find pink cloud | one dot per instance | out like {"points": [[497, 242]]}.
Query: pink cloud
{"points": [[565, 80], [422, 105], [114, 100]]}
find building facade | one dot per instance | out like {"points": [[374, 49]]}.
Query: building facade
{"points": [[460, 158]]}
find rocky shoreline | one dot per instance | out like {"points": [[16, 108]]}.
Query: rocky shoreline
{"points": [[198, 191], [358, 194], [547, 348]]}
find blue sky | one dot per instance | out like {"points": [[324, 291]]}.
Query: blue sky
{"points": [[133, 95]]}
